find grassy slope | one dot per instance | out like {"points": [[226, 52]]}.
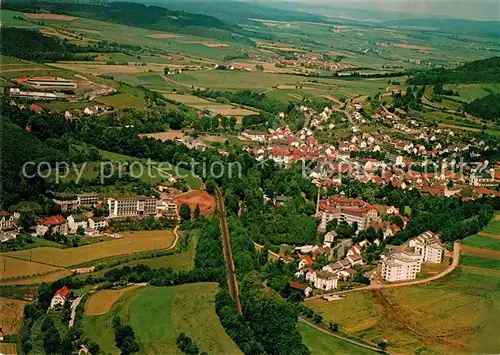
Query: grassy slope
{"points": [[479, 241], [322, 344], [158, 314], [478, 261]]}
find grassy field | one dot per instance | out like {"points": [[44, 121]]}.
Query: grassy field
{"points": [[322, 344], [482, 242], [11, 315], [159, 314], [35, 280], [101, 302], [132, 242], [456, 314], [8, 348], [477, 261], [493, 227], [13, 267], [214, 107]]}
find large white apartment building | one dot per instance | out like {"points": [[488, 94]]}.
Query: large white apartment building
{"points": [[429, 247], [131, 206], [400, 267], [363, 216], [347, 210]]}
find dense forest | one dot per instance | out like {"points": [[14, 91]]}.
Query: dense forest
{"points": [[479, 71], [139, 15], [487, 107], [33, 45]]}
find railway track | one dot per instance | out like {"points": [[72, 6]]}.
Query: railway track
{"points": [[228, 254]]}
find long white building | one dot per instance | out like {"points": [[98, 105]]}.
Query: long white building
{"points": [[131, 206]]}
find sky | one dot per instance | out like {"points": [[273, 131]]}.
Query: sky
{"points": [[470, 9]]}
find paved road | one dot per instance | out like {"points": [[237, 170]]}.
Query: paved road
{"points": [[228, 254], [302, 320], [454, 264]]}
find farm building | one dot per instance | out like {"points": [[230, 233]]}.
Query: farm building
{"points": [[51, 83]]}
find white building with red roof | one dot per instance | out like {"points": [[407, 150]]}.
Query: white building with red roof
{"points": [[60, 297], [56, 224]]}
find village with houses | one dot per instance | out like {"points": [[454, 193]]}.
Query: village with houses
{"points": [[296, 183]]}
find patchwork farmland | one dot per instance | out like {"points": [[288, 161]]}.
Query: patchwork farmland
{"points": [[159, 314]]}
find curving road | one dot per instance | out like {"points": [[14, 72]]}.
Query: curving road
{"points": [[454, 264]]}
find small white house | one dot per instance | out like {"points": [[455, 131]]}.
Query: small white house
{"points": [[96, 223], [300, 287], [75, 221], [328, 239], [60, 297]]}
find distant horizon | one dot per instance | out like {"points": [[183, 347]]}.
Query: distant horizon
{"points": [[484, 10]]}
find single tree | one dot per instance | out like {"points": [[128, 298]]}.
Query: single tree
{"points": [[383, 345], [80, 230], [334, 327], [185, 212], [317, 318], [196, 213]]}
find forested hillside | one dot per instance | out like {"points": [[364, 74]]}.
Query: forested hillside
{"points": [[487, 107], [32, 45], [479, 71], [139, 15]]}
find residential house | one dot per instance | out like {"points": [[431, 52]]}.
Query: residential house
{"points": [[355, 259], [54, 224], [75, 221], [328, 238], [428, 246], [323, 280], [60, 297], [6, 220], [98, 223], [305, 261], [300, 287]]}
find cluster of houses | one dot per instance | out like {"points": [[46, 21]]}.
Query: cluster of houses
{"points": [[314, 62], [58, 224]]}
